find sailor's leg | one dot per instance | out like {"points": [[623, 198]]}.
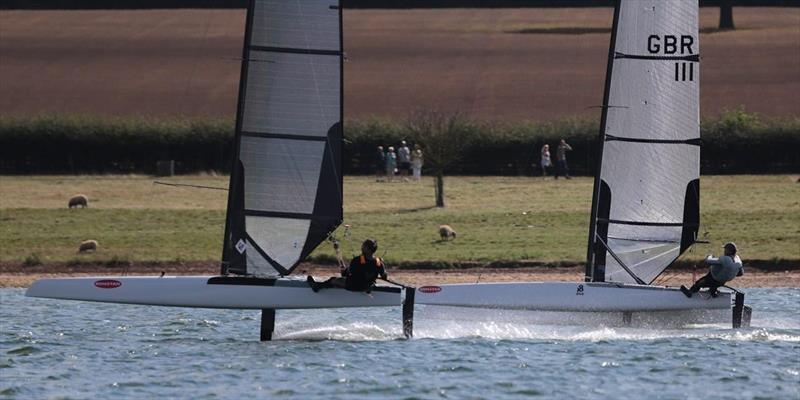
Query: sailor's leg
{"points": [[713, 285], [705, 281], [333, 283]]}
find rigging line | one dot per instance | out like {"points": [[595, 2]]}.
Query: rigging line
{"points": [[622, 264], [396, 283], [189, 185]]}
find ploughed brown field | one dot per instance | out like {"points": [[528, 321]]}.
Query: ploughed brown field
{"points": [[508, 64]]}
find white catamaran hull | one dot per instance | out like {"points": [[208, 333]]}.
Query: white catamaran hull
{"points": [[210, 292], [566, 296]]}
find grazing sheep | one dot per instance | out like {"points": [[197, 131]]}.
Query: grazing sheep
{"points": [[88, 246], [446, 232], [79, 200]]}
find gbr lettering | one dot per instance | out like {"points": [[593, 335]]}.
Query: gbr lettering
{"points": [[674, 45]]}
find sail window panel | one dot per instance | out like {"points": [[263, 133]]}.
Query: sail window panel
{"points": [[648, 181], [623, 235], [645, 259], [299, 24], [294, 94], [281, 175], [256, 264], [282, 239], [649, 104]]}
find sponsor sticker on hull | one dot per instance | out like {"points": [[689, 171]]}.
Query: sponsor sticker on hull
{"points": [[108, 283], [430, 289]]}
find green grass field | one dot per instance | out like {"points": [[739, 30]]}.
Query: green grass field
{"points": [[497, 218]]}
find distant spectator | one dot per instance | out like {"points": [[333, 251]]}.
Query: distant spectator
{"points": [[416, 162], [545, 162], [561, 158], [404, 160], [380, 165], [391, 164]]}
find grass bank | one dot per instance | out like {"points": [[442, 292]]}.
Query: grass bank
{"points": [[497, 218]]}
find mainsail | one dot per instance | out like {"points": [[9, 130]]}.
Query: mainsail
{"points": [[645, 208], [286, 185]]}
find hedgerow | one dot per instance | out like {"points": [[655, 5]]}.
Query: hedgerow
{"points": [[735, 142]]}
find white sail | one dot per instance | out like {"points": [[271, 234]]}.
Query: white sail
{"points": [[286, 192], [646, 202]]}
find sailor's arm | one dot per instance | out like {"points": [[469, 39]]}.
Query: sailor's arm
{"points": [[711, 260], [382, 269]]}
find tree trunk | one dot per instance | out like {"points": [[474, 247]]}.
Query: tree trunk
{"points": [[439, 189], [726, 15]]}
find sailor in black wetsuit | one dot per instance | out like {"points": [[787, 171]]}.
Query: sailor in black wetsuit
{"points": [[360, 276]]}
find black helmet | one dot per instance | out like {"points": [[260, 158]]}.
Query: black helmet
{"points": [[371, 245]]}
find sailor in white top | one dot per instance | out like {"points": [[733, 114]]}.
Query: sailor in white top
{"points": [[721, 270]]}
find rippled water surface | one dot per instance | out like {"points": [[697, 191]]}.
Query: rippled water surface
{"points": [[77, 350]]}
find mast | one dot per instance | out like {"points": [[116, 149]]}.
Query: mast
{"points": [[228, 249], [592, 274]]}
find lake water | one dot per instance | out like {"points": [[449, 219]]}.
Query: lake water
{"points": [[76, 350]]}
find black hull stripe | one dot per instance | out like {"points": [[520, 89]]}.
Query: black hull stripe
{"points": [[643, 223], [237, 280], [285, 136], [296, 50], [693, 142], [691, 57], [255, 281]]}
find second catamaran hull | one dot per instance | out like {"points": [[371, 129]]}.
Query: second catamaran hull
{"points": [[210, 292], [566, 296]]}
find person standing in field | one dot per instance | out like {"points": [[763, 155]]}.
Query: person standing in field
{"points": [[404, 160], [545, 162], [391, 164], [416, 162], [721, 270], [380, 165], [561, 159]]}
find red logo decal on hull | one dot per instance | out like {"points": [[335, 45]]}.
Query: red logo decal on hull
{"points": [[107, 284], [430, 289]]}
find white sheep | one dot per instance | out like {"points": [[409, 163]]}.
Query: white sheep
{"points": [[88, 246], [446, 232], [78, 200]]}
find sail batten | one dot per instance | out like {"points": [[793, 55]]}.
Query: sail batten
{"points": [[647, 185], [286, 183]]}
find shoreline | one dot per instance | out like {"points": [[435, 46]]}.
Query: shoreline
{"points": [[20, 276]]}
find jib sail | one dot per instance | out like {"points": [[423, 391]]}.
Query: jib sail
{"points": [[645, 209], [286, 185]]}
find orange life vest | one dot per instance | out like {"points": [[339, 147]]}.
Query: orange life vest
{"points": [[363, 260]]}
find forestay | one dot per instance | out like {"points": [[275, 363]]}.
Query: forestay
{"points": [[286, 189], [645, 210]]}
